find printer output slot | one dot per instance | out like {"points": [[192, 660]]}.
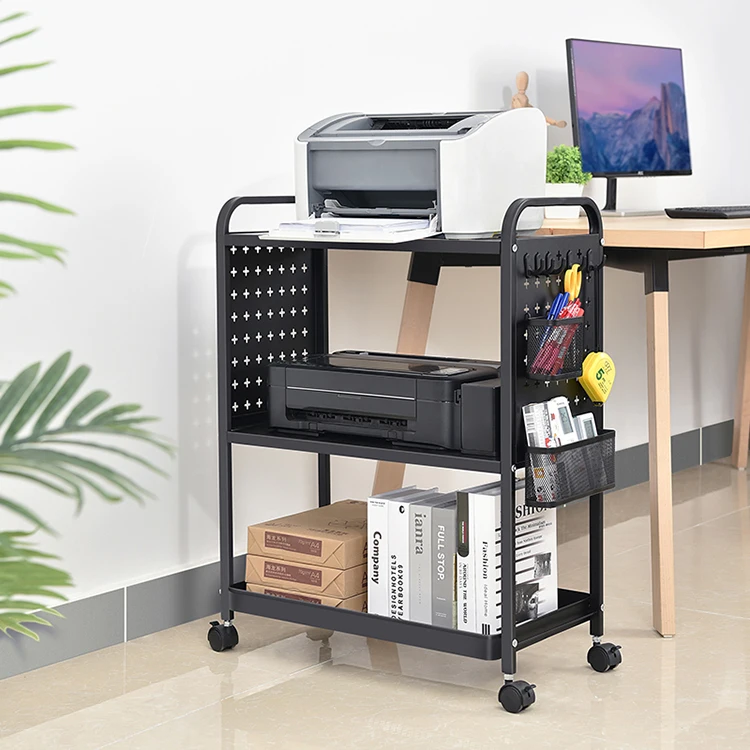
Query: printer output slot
{"points": [[331, 417], [407, 204]]}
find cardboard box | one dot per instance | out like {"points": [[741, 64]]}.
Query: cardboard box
{"points": [[313, 579], [334, 536], [358, 602]]}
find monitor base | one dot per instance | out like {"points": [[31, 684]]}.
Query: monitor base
{"points": [[632, 212]]}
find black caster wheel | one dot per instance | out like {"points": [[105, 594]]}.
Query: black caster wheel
{"points": [[604, 656], [222, 637], [516, 696]]}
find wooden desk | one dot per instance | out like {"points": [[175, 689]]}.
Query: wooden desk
{"points": [[646, 245]]}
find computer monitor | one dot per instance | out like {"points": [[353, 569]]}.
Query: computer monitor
{"points": [[628, 110]]}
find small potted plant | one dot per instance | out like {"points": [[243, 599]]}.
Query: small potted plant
{"points": [[565, 179]]}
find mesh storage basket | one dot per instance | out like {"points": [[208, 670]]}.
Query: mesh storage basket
{"points": [[555, 476]]}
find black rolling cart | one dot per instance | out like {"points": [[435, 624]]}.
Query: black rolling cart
{"points": [[273, 305]]}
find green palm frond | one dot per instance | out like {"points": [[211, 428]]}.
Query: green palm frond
{"points": [[22, 35], [46, 431], [30, 108], [41, 145], [24, 580]]}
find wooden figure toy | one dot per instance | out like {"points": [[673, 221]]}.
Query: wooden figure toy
{"points": [[520, 99]]}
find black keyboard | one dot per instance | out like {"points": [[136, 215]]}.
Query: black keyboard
{"points": [[709, 212]]}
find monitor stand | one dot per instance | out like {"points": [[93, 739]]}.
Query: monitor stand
{"points": [[610, 207]]}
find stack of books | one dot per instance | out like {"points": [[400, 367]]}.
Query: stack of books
{"points": [[435, 558], [317, 556]]}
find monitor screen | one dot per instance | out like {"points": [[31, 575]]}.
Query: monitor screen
{"points": [[628, 107]]}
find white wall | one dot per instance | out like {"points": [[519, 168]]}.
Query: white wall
{"points": [[181, 105]]}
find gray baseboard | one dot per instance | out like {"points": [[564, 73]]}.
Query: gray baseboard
{"points": [[100, 621]]}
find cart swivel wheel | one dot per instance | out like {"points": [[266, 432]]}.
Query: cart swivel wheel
{"points": [[604, 656], [222, 637], [516, 696]]}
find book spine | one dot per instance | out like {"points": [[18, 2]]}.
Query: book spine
{"points": [[483, 524], [420, 560], [466, 614], [398, 560], [377, 556], [444, 567]]}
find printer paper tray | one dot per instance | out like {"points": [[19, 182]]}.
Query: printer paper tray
{"points": [[380, 238]]}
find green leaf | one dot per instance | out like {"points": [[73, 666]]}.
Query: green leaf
{"points": [[63, 396], [14, 255], [15, 391], [28, 108], [109, 448], [128, 486], [13, 17], [37, 397], [86, 406], [24, 512], [27, 66], [22, 580], [48, 251], [43, 145], [15, 198], [111, 414], [19, 36]]}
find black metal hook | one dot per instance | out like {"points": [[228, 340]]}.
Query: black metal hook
{"points": [[559, 267]]}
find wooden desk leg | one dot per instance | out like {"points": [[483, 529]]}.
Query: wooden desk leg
{"points": [[742, 397], [660, 462], [412, 339]]}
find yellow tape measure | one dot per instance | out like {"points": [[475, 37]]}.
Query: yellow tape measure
{"points": [[598, 376]]}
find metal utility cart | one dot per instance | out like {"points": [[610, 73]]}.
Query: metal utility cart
{"points": [[273, 304]]}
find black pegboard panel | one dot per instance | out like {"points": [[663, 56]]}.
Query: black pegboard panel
{"points": [[272, 316], [535, 292]]}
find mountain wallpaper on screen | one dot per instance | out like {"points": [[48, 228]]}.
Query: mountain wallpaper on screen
{"points": [[652, 138]]}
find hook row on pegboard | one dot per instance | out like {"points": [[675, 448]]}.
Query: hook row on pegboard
{"points": [[551, 263]]}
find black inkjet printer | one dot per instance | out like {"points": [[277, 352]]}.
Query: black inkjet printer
{"points": [[445, 403]]}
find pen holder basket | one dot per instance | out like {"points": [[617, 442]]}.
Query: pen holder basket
{"points": [[554, 348], [559, 475]]}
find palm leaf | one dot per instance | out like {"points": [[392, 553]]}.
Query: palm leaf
{"points": [[28, 108], [46, 251], [16, 255], [37, 396], [6, 289], [18, 68], [42, 145], [23, 579], [13, 17], [15, 391], [19, 36], [86, 406], [16, 198], [64, 460], [110, 415], [24, 512], [63, 397]]}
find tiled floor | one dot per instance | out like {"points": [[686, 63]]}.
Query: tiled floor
{"points": [[279, 689]]}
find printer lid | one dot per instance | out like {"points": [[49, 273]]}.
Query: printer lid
{"points": [[444, 125]]}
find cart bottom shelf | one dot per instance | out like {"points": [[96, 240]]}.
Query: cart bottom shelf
{"points": [[575, 608]]}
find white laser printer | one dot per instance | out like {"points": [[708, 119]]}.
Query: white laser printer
{"points": [[465, 168]]}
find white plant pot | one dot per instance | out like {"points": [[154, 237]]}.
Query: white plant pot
{"points": [[563, 190]]}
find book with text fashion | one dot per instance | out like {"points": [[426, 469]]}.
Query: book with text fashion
{"points": [[536, 557]]}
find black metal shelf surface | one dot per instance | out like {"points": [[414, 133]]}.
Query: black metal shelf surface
{"points": [[353, 446], [574, 609], [436, 244]]}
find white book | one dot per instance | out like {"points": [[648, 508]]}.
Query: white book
{"points": [[536, 558], [377, 550], [398, 553], [465, 575]]}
